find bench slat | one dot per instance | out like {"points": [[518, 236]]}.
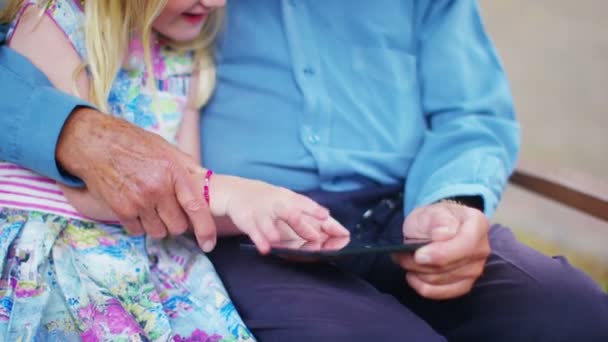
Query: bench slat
{"points": [[574, 189]]}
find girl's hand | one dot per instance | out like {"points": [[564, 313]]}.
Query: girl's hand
{"points": [[268, 213]]}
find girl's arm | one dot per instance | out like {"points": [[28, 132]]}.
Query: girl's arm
{"points": [[45, 45], [224, 189], [189, 136], [188, 140], [40, 40], [260, 210]]}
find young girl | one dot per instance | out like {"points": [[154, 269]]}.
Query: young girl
{"points": [[68, 273]]}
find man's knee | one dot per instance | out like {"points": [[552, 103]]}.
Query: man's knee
{"points": [[525, 295], [570, 306], [573, 309], [559, 304]]}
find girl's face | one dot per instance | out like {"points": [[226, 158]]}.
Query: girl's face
{"points": [[182, 20]]}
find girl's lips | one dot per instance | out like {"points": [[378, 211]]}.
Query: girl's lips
{"points": [[194, 18]]}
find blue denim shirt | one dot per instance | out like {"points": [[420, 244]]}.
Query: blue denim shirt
{"points": [[332, 94]]}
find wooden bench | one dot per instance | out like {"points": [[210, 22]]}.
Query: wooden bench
{"points": [[572, 188]]}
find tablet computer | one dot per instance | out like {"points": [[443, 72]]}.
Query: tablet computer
{"points": [[339, 246]]}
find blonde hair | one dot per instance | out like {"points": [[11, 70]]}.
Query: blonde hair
{"points": [[107, 30]]}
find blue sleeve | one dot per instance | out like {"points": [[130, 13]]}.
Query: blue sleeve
{"points": [[32, 114], [472, 140]]}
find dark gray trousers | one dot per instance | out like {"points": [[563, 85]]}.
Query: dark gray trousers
{"points": [[521, 296]]}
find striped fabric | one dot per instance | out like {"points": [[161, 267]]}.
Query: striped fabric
{"points": [[23, 189]]}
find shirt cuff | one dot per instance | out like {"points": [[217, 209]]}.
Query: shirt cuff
{"points": [[489, 199], [474, 201]]}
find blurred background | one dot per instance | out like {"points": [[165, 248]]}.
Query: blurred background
{"points": [[556, 56], [555, 53]]}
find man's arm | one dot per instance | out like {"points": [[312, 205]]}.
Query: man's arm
{"points": [[468, 152], [136, 173], [33, 114], [473, 139]]}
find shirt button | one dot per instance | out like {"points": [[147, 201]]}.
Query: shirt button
{"points": [[314, 139], [308, 71]]}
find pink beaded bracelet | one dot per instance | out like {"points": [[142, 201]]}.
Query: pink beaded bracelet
{"points": [[206, 186]]}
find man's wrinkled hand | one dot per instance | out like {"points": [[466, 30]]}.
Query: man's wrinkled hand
{"points": [[448, 266], [148, 183]]}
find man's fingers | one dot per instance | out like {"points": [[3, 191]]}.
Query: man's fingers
{"points": [[189, 193], [439, 292], [153, 225], [463, 246], [444, 233], [127, 215], [172, 215], [407, 262], [423, 220], [133, 226], [468, 271], [143, 167], [467, 240]]}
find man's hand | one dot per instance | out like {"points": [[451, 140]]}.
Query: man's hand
{"points": [[149, 184], [449, 266]]}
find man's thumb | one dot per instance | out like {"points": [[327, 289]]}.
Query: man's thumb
{"points": [[443, 233]]}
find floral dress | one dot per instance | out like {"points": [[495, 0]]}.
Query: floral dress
{"points": [[67, 278]]}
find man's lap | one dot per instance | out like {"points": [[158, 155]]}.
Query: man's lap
{"points": [[523, 295], [280, 301]]}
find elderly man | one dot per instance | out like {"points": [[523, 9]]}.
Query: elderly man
{"points": [[356, 103]]}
